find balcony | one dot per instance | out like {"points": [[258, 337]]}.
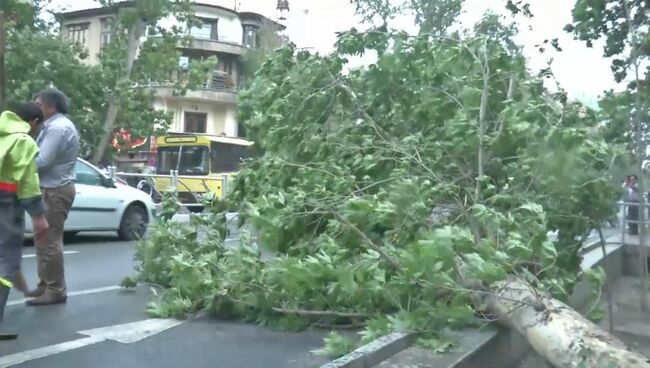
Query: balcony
{"points": [[223, 46], [219, 88], [208, 38]]}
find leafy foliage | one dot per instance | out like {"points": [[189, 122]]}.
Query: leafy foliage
{"points": [[432, 17], [382, 198], [622, 24]]}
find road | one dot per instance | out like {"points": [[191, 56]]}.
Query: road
{"points": [[95, 264]]}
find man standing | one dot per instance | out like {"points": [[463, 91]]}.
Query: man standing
{"points": [[58, 142], [19, 192]]}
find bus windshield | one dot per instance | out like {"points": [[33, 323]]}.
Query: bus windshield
{"points": [[194, 160], [227, 157]]}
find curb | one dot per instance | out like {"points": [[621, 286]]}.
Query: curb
{"points": [[374, 352]]}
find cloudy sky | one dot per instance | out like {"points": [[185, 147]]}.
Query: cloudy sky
{"points": [[314, 23]]}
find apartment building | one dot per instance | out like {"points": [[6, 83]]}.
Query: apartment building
{"points": [[225, 33]]}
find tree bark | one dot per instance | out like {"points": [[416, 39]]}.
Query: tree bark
{"points": [[114, 104], [556, 331]]}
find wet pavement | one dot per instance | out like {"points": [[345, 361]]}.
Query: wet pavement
{"points": [[50, 336]]}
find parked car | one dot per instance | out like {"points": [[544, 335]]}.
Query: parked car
{"points": [[105, 204]]}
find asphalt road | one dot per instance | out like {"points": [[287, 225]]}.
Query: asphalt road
{"points": [[50, 336]]}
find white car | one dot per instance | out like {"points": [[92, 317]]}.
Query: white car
{"points": [[104, 204]]}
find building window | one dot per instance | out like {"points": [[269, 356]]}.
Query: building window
{"points": [[78, 32], [241, 130], [207, 30], [106, 31], [250, 36], [196, 122]]}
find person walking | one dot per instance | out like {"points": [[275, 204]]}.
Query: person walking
{"points": [[58, 142], [19, 192], [631, 189]]}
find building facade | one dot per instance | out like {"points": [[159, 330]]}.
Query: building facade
{"points": [[224, 32]]}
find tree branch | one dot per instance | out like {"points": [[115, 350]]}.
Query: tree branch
{"points": [[391, 261], [304, 312]]}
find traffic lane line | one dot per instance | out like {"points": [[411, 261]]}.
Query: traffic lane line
{"points": [[126, 333], [74, 293], [33, 255]]}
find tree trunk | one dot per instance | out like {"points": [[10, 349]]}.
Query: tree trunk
{"points": [[114, 104], [557, 332]]}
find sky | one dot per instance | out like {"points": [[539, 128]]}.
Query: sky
{"points": [[583, 72]]}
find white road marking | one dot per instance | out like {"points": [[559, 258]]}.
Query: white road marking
{"points": [[127, 333], [33, 255], [74, 293]]}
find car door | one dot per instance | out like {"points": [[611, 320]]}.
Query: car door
{"points": [[95, 205]]}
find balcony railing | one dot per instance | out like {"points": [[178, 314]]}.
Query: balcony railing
{"points": [[218, 81]]}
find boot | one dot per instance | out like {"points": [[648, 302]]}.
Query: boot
{"points": [[20, 283], [55, 291], [4, 295], [50, 297]]}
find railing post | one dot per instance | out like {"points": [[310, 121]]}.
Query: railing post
{"points": [[224, 186], [623, 222], [174, 174]]}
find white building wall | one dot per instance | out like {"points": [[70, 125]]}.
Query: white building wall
{"points": [[220, 118], [230, 121], [229, 26], [93, 36]]}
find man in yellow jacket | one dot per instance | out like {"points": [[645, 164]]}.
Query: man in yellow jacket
{"points": [[19, 192]]}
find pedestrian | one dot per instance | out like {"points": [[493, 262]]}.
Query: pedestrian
{"points": [[19, 192], [58, 142], [631, 188]]}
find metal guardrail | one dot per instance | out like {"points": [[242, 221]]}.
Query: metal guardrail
{"points": [[623, 221], [175, 182]]}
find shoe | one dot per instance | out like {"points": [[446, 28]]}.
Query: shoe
{"points": [[4, 295], [48, 298]]}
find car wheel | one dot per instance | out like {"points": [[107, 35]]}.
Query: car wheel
{"points": [[133, 224], [69, 235]]}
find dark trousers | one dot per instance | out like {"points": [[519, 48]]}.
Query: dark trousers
{"points": [[633, 215], [12, 235]]}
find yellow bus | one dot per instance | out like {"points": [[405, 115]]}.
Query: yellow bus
{"points": [[203, 162]]}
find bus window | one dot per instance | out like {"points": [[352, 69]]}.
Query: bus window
{"points": [[193, 160], [227, 157]]}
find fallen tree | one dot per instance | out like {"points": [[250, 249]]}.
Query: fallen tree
{"points": [[368, 185], [556, 331]]}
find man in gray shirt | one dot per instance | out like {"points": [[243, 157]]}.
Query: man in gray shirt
{"points": [[58, 143]]}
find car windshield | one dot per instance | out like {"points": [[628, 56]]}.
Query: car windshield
{"points": [[193, 160]]}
